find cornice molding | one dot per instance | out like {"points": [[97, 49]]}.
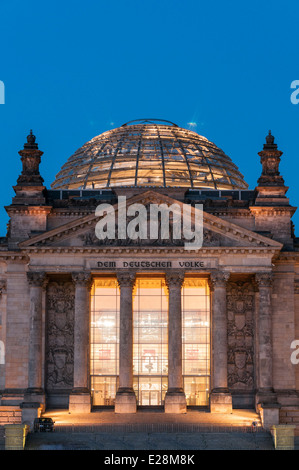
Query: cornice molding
{"points": [[28, 210], [106, 249], [270, 211], [70, 213], [14, 256]]}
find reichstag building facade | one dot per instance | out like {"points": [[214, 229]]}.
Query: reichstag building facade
{"points": [[133, 320]]}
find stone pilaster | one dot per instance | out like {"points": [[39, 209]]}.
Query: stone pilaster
{"points": [[220, 400], [265, 379], [37, 282], [125, 400], [175, 399], [80, 401], [266, 401], [34, 397]]}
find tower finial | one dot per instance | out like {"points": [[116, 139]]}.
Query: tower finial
{"points": [[31, 144], [270, 141], [31, 158]]}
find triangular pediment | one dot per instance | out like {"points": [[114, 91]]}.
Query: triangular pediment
{"points": [[216, 231]]}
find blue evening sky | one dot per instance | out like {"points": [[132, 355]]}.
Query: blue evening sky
{"points": [[74, 69]]}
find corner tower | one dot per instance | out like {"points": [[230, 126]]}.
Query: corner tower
{"points": [[271, 208]]}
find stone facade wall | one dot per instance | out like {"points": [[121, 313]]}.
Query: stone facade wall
{"points": [[17, 327], [2, 328], [283, 326], [22, 224], [296, 335], [290, 415], [279, 225]]}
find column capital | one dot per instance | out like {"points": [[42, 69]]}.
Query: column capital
{"points": [[37, 279], [264, 279], [218, 279], [126, 279], [174, 278], [82, 279]]}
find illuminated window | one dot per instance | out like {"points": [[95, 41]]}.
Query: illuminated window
{"points": [[150, 336], [104, 341], [196, 341], [150, 353]]}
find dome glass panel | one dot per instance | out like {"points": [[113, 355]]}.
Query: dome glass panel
{"points": [[149, 153]]}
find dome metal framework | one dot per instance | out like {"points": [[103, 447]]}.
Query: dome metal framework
{"points": [[149, 153]]}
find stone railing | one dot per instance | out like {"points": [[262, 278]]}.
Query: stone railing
{"points": [[15, 436], [283, 436]]}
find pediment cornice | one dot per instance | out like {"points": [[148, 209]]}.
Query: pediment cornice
{"points": [[219, 227]]}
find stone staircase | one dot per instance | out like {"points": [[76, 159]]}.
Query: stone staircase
{"points": [[150, 441]]}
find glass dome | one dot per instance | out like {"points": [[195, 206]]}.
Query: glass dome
{"points": [[149, 153]]}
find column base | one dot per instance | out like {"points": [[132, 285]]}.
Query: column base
{"points": [[125, 401], [265, 396], [267, 407], [80, 401], [30, 411], [221, 401], [35, 395], [269, 414], [175, 402]]}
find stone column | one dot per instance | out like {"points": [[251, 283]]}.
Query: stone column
{"points": [[125, 400], [80, 401], [37, 281], [175, 399], [221, 399]]}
